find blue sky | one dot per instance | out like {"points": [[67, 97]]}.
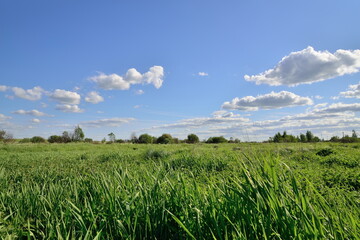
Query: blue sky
{"points": [[242, 69]]}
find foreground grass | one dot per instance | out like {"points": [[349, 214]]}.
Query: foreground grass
{"points": [[245, 191]]}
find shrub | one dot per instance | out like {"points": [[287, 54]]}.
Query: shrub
{"points": [[220, 139], [145, 138], [55, 139], [192, 138], [164, 139], [37, 139]]}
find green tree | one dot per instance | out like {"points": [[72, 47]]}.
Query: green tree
{"points": [[192, 138], [303, 138], [220, 139], [37, 139], [2, 134], [354, 135], [55, 139], [66, 137], [78, 134], [164, 139], [112, 137], [309, 136], [145, 138]]}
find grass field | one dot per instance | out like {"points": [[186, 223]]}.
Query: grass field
{"points": [[200, 191]]}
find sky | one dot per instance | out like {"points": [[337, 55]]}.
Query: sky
{"points": [[241, 69]]}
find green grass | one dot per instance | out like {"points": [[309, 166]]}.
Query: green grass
{"points": [[226, 191]]}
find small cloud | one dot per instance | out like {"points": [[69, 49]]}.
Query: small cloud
{"points": [[100, 112], [69, 108], [353, 91], [35, 120], [4, 117], [137, 106], [33, 112], [335, 98], [11, 97], [43, 105], [94, 97], [29, 94], [3, 88], [318, 97], [139, 92], [108, 122], [203, 74], [272, 100], [65, 97]]}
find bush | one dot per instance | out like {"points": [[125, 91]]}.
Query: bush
{"points": [[165, 139], [37, 139], [25, 140], [55, 139], [220, 139], [88, 140], [192, 138], [145, 138]]}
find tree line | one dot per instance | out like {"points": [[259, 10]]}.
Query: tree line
{"points": [[77, 135]]}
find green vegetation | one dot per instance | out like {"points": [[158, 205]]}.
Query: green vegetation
{"points": [[183, 191]]}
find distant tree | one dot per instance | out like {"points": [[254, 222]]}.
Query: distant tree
{"points": [[120, 141], [303, 138], [2, 134], [37, 139], [133, 138], [354, 135], [309, 136], [103, 140], [220, 139], [55, 139], [78, 134], [66, 137], [145, 138], [88, 140], [192, 138], [164, 139], [111, 137], [335, 139]]}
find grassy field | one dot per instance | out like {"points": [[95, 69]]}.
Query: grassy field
{"points": [[200, 191]]}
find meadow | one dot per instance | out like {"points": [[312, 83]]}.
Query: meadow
{"points": [[180, 191]]}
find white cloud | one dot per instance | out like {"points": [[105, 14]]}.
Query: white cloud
{"points": [[271, 100], [3, 88], [318, 97], [308, 66], [139, 92], [354, 91], [107, 122], [33, 112], [29, 94], [35, 120], [137, 106], [205, 121], [69, 108], [65, 97], [203, 74], [113, 81], [94, 97], [4, 117]]}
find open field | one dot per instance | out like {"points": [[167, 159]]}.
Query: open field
{"points": [[185, 191]]}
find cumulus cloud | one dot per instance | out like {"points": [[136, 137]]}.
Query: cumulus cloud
{"points": [[35, 120], [33, 112], [94, 97], [65, 97], [203, 74], [29, 94], [69, 108], [308, 66], [272, 100], [3, 88], [107, 122], [353, 91], [116, 82]]}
